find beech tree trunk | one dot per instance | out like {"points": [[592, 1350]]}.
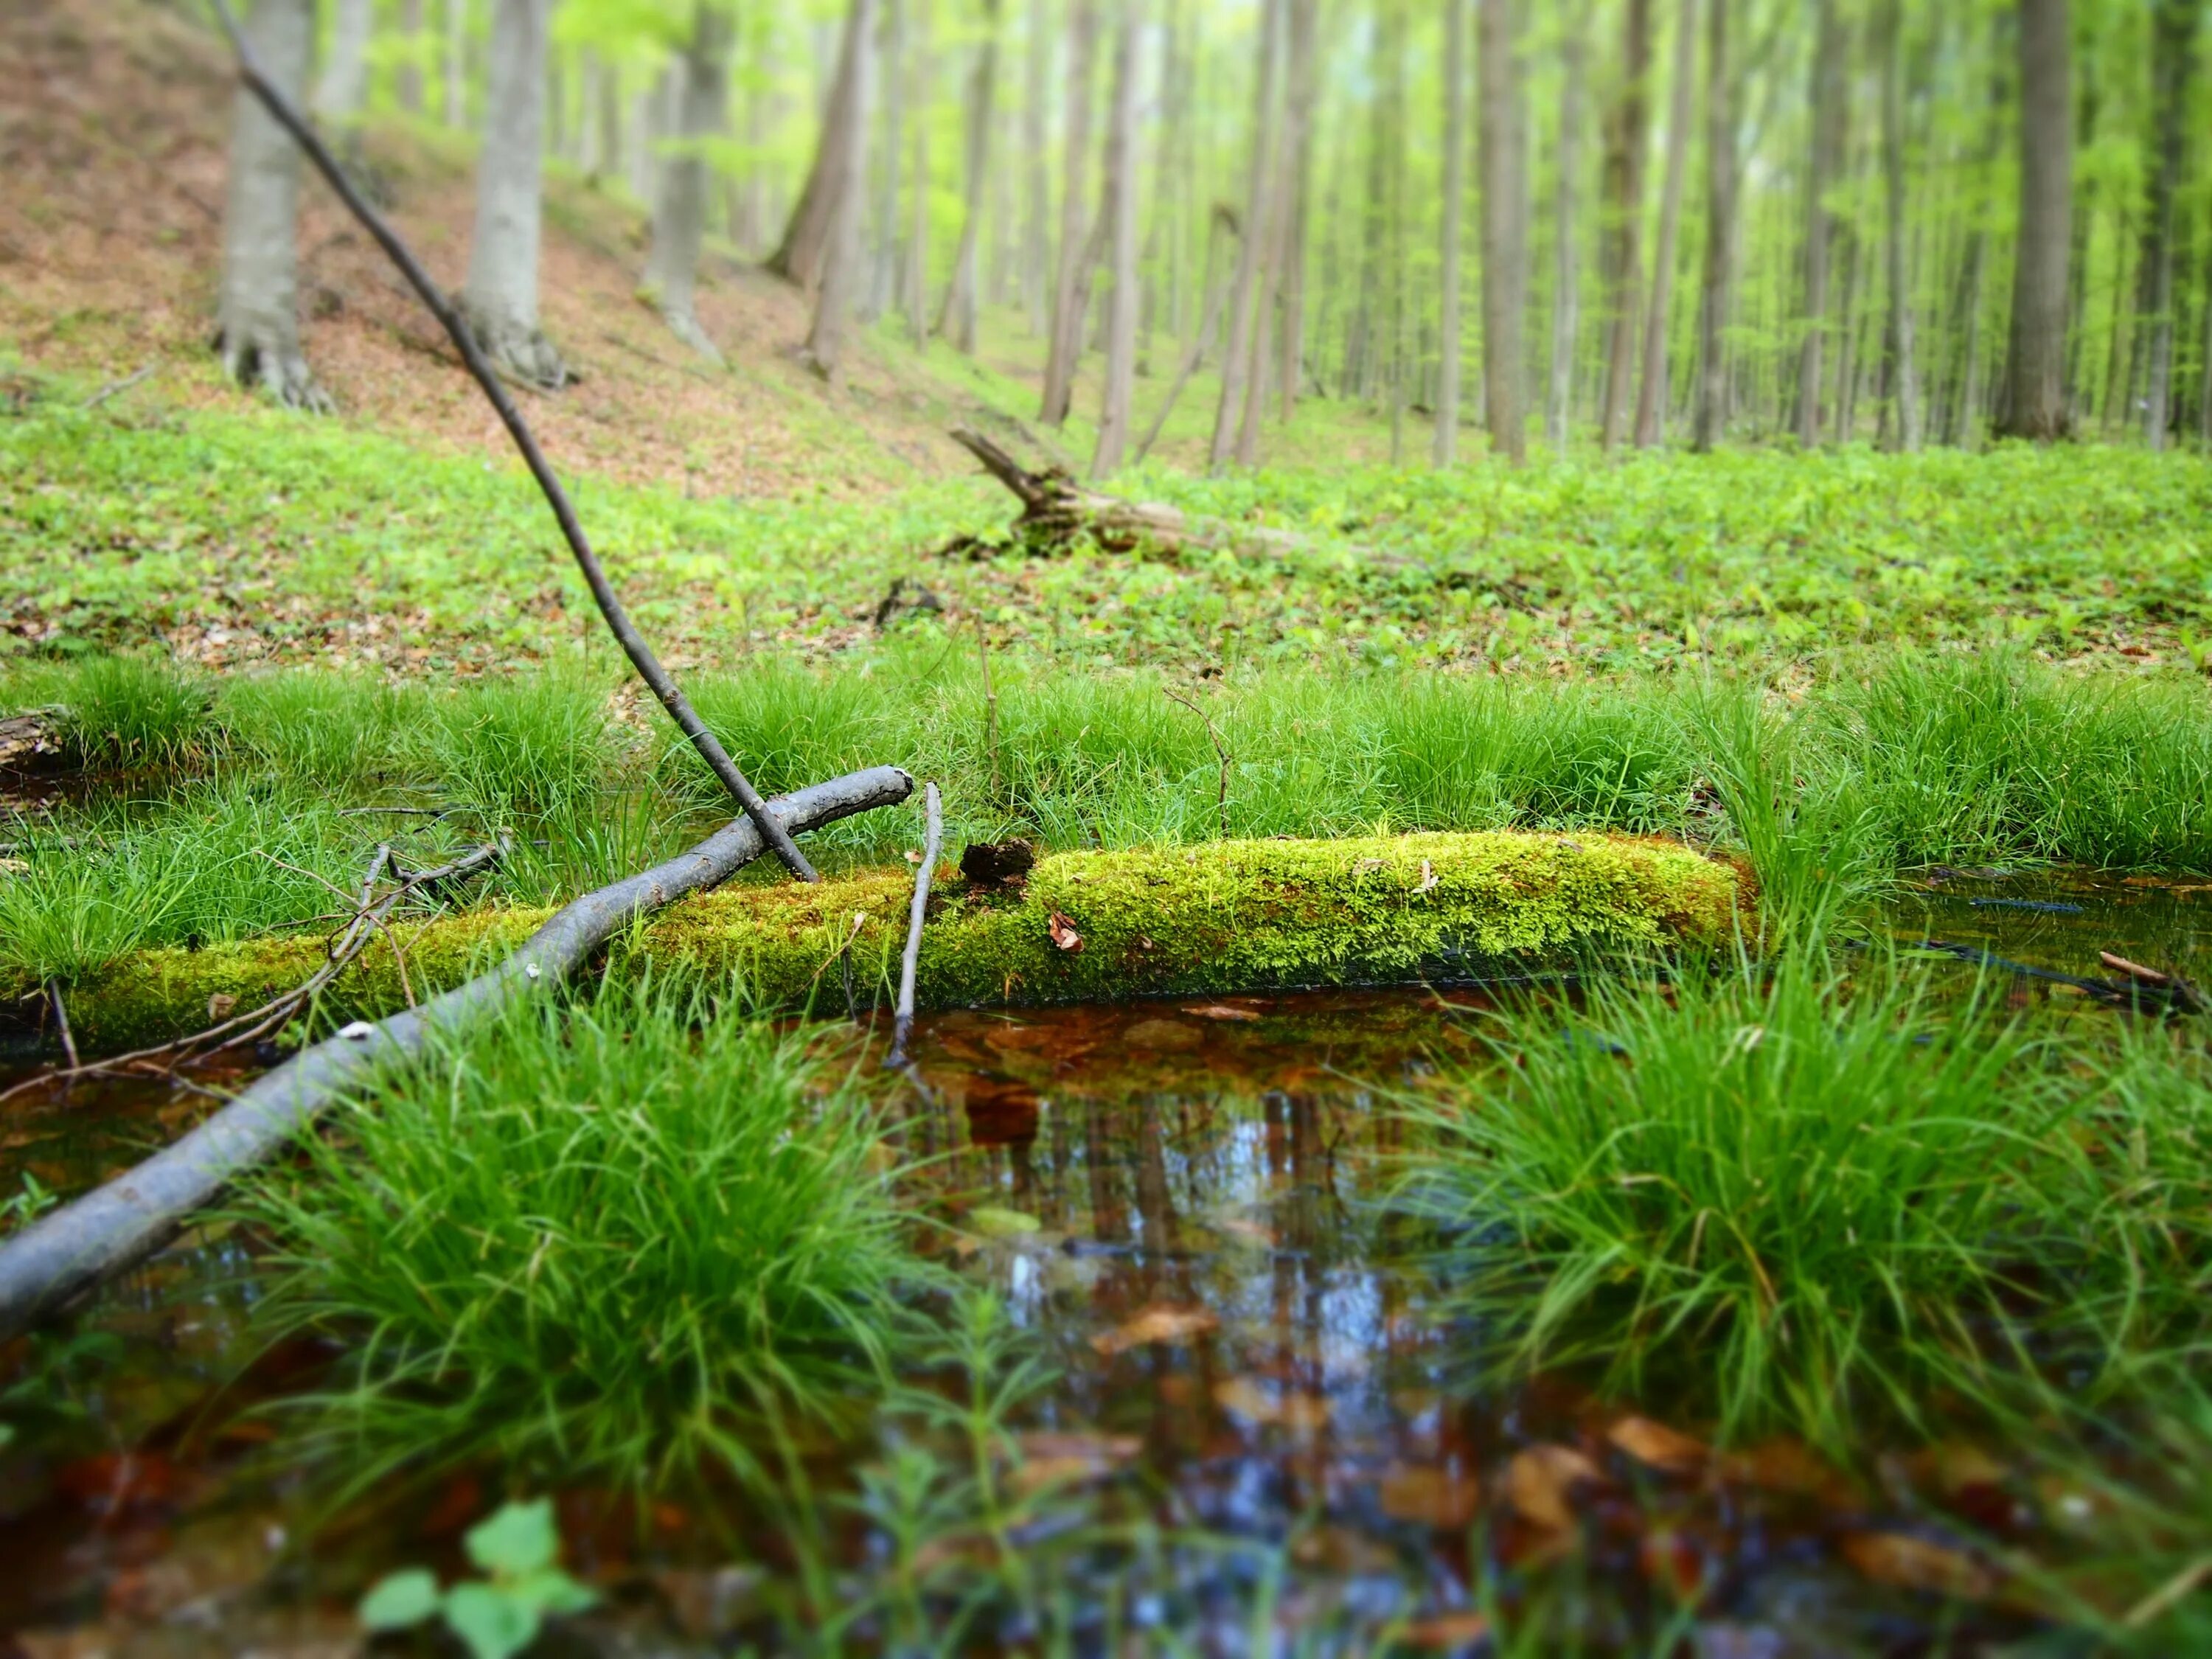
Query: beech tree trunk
{"points": [[1121, 240], [1964, 409], [1627, 138], [957, 320], [500, 299], [1558, 405], [883, 280], [1651, 391], [2175, 52], [407, 83], [916, 267], [2035, 398], [1712, 419], [679, 211], [258, 314], [1828, 113], [1505, 226], [1903, 378], [1070, 285], [839, 156], [1441, 448], [838, 257], [342, 90], [1236, 362], [1284, 246], [1036, 204], [457, 63]]}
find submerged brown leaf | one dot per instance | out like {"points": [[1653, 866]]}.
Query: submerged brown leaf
{"points": [[1668, 1450], [1447, 1633], [1300, 1413], [1221, 1011], [1158, 1323], [1539, 1481], [1900, 1560], [1444, 1498]]}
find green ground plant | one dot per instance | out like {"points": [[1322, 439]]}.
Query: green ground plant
{"points": [[604, 1240]]}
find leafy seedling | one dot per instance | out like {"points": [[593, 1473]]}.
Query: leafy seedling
{"points": [[500, 1614]]}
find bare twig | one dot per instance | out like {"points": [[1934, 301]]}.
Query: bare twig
{"points": [[61, 1020], [632, 643], [1220, 750], [114, 387], [932, 844], [990, 711]]}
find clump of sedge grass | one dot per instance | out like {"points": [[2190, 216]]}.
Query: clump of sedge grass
{"points": [[1806, 1204], [601, 1242], [129, 713]]}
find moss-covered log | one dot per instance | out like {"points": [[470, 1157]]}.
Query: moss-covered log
{"points": [[1219, 916]]}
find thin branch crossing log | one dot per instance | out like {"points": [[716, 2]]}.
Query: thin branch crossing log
{"points": [[114, 1228], [933, 845]]}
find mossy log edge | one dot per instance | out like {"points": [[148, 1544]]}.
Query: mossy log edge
{"points": [[1218, 916]]}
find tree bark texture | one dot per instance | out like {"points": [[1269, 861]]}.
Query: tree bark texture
{"points": [[1122, 242], [1558, 403], [839, 258], [1235, 361], [883, 270], [2175, 52], [2035, 399], [457, 64], [1713, 301], [342, 90], [679, 210], [1903, 375], [258, 312], [840, 157], [1505, 226], [957, 320], [1828, 115], [1627, 138], [1071, 281], [1282, 248], [1651, 389], [500, 296], [1442, 446], [1036, 205]]}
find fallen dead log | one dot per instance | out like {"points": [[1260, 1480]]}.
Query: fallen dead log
{"points": [[112, 1229], [1216, 916], [1058, 511]]}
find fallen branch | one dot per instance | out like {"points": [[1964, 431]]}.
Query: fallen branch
{"points": [[632, 643], [371, 915], [75, 1249], [932, 843]]}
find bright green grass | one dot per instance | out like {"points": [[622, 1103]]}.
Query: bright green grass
{"points": [[314, 541], [603, 1241]]}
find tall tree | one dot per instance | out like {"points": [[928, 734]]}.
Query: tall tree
{"points": [[1713, 299], [840, 155], [1235, 363], [1505, 226], [916, 267], [2035, 394], [1121, 240], [1651, 392], [1903, 378], [457, 63], [1282, 249], [1558, 403], [1037, 192], [1072, 281], [500, 296], [1825, 161], [2173, 54], [838, 254], [679, 210], [1965, 402], [884, 272], [408, 81], [957, 318], [1626, 140], [1290, 283], [342, 89], [1447, 435], [258, 315]]}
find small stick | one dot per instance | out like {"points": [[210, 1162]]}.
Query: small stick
{"points": [[990, 711], [61, 1021], [2134, 970], [1220, 750], [595, 576], [115, 386], [932, 843]]}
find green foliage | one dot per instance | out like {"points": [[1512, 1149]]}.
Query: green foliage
{"points": [[517, 1550], [601, 1241]]}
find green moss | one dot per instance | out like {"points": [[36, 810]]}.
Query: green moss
{"points": [[1222, 916]]}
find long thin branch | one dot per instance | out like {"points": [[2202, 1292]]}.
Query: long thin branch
{"points": [[932, 843], [595, 576]]}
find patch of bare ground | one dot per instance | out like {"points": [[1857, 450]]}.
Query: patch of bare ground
{"points": [[115, 118]]}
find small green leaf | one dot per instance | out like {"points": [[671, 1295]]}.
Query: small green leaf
{"points": [[551, 1591], [993, 1222], [491, 1624], [400, 1598], [517, 1539]]}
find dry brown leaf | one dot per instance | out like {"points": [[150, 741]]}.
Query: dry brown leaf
{"points": [[220, 1004], [1539, 1481], [1063, 933], [1899, 1559], [1221, 1011], [1447, 1632], [1668, 1450], [1158, 1323], [1786, 1466], [1079, 1442], [1300, 1413], [1444, 1498]]}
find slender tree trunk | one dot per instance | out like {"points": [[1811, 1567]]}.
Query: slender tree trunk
{"points": [[1843, 401], [1236, 362], [1393, 106], [1903, 377], [916, 268], [841, 153], [1037, 203], [957, 319], [499, 298], [2035, 400], [839, 254], [1558, 410], [1122, 193], [1829, 52], [1305, 23], [456, 65], [1447, 433], [408, 84], [1626, 141], [342, 90], [2175, 53], [1652, 392], [1505, 162], [1363, 354], [1071, 285], [1712, 419], [883, 281], [679, 211], [258, 315]]}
